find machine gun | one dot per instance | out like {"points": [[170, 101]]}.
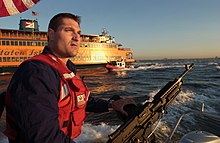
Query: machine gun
{"points": [[138, 128]]}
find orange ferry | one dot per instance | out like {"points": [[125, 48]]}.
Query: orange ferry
{"points": [[19, 45]]}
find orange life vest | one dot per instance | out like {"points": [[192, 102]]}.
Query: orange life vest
{"points": [[72, 101]]}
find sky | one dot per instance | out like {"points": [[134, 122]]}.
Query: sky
{"points": [[153, 29]]}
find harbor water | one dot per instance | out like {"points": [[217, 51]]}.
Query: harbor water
{"points": [[200, 86]]}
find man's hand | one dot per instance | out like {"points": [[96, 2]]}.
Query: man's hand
{"points": [[118, 105]]}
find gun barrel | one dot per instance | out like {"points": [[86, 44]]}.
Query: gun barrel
{"points": [[188, 68], [139, 126]]}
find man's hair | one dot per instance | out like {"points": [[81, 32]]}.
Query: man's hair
{"points": [[56, 21]]}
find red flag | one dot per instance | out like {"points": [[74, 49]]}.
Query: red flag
{"points": [[29, 24], [13, 7], [35, 13]]}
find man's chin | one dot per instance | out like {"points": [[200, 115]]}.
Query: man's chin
{"points": [[73, 55]]}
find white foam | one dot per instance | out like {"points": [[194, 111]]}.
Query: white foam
{"points": [[212, 63], [95, 133]]}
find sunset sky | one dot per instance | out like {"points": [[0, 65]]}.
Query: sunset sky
{"points": [[152, 28]]}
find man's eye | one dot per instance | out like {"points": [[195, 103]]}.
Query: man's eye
{"points": [[69, 30]]}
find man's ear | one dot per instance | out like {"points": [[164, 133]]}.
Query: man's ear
{"points": [[51, 34]]}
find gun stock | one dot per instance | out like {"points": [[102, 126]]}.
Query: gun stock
{"points": [[139, 127]]}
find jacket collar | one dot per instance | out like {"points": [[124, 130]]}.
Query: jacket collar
{"points": [[70, 65]]}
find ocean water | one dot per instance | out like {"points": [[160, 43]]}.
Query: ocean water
{"points": [[200, 86]]}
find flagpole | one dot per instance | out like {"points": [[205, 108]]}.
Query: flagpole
{"points": [[32, 28], [33, 22], [34, 14]]}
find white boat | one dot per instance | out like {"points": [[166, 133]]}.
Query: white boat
{"points": [[116, 65]]}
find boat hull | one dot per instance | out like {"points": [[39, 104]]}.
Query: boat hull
{"points": [[114, 68]]}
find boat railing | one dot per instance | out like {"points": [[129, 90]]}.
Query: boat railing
{"points": [[89, 40], [125, 49], [202, 119]]}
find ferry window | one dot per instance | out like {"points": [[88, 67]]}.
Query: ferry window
{"points": [[20, 43], [17, 59], [16, 43], [0, 59], [13, 59], [29, 43], [4, 59], [24, 43], [38, 43], [34, 44], [12, 43], [21, 59], [8, 59], [42, 43], [3, 42], [86, 58], [45, 43], [43, 35], [12, 34], [7, 42]]}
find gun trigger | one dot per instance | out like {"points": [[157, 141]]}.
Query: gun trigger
{"points": [[164, 111]]}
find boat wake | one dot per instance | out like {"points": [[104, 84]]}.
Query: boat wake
{"points": [[5, 73], [153, 66]]}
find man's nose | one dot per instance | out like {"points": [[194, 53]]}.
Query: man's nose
{"points": [[76, 37]]}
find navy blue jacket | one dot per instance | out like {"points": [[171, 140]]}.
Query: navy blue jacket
{"points": [[35, 89]]}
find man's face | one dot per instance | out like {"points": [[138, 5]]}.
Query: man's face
{"points": [[66, 40]]}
